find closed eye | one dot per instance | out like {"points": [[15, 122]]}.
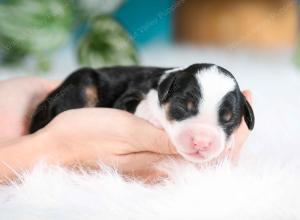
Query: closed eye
{"points": [[226, 115], [181, 108]]}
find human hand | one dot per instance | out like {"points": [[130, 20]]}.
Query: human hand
{"points": [[240, 135], [114, 137], [18, 99]]}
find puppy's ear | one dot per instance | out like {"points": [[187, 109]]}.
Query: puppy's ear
{"points": [[248, 114], [166, 88]]}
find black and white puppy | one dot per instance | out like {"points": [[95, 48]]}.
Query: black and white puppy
{"points": [[199, 106]]}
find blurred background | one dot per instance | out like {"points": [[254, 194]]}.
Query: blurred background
{"points": [[257, 40], [118, 32]]}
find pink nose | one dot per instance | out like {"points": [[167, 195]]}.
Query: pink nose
{"points": [[202, 143], [200, 140]]}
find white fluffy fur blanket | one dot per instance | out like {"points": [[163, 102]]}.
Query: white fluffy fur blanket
{"points": [[266, 185]]}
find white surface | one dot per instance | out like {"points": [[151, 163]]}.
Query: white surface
{"points": [[265, 186]]}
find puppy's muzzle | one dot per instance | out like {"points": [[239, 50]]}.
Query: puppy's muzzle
{"points": [[200, 141]]}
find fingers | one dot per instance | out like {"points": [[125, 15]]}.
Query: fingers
{"points": [[241, 134], [137, 162], [141, 166], [248, 95], [140, 135], [150, 176]]}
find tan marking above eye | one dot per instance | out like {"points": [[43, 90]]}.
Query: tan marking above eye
{"points": [[91, 95], [227, 116], [190, 105]]}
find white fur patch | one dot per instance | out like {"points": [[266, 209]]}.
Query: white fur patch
{"points": [[214, 86], [148, 109]]}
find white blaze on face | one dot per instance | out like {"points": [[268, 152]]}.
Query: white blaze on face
{"points": [[214, 86]]}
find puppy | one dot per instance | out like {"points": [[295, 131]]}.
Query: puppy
{"points": [[199, 106]]}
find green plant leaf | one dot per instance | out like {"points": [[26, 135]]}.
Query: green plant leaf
{"points": [[106, 44], [33, 27]]}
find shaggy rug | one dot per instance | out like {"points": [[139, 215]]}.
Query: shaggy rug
{"points": [[265, 185]]}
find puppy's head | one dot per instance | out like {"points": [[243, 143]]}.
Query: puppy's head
{"points": [[202, 106]]}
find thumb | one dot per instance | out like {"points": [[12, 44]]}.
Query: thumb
{"points": [[151, 139], [241, 134], [248, 95]]}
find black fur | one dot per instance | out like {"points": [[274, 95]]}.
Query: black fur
{"points": [[117, 87]]}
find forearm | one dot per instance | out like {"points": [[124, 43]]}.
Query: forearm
{"points": [[23, 153]]}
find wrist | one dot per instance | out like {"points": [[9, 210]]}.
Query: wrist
{"points": [[18, 155], [55, 150]]}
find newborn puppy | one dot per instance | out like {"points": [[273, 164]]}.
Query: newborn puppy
{"points": [[199, 106]]}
